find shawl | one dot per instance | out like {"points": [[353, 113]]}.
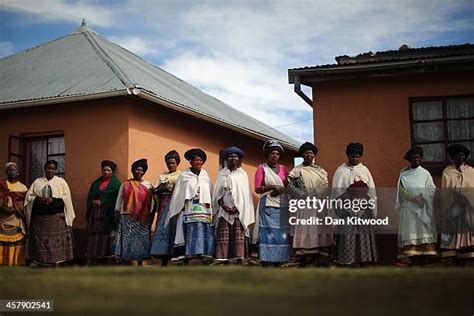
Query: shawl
{"points": [[135, 198], [314, 177], [463, 180], [59, 190], [186, 188], [346, 175], [237, 182], [12, 198], [107, 196]]}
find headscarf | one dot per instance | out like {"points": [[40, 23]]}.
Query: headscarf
{"points": [[355, 148], [51, 162], [173, 154], [190, 154], [308, 146], [9, 164], [453, 149], [272, 145], [109, 163], [232, 150], [415, 150], [140, 163]]}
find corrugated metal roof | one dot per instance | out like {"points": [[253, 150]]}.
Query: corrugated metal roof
{"points": [[404, 53], [83, 64]]}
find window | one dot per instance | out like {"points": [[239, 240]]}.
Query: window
{"points": [[439, 122], [32, 153]]}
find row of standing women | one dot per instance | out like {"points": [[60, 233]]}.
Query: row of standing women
{"points": [[183, 218]]}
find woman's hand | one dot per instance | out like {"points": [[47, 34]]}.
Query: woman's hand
{"points": [[97, 203]]}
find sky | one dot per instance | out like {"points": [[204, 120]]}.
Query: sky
{"points": [[240, 51]]}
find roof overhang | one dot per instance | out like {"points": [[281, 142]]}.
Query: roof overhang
{"points": [[310, 75]]}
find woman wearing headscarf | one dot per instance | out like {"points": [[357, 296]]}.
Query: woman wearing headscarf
{"points": [[135, 206], [457, 183], [310, 242], [233, 207], [415, 193], [272, 227], [191, 206], [12, 217], [163, 239], [100, 213], [353, 182], [50, 215]]}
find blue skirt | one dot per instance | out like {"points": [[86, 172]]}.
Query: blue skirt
{"points": [[133, 239], [199, 239], [163, 241], [273, 234]]}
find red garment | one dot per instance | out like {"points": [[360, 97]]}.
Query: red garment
{"points": [[136, 200], [104, 183]]}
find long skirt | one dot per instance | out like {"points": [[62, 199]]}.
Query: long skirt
{"points": [[163, 240], [199, 239], [273, 234], [101, 240], [133, 239], [49, 239], [355, 244], [230, 240], [11, 245]]}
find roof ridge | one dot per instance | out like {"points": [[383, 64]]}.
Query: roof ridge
{"points": [[122, 75]]}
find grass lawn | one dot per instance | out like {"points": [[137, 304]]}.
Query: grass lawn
{"points": [[234, 290]]}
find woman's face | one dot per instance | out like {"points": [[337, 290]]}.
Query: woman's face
{"points": [[12, 172], [353, 159], [459, 159], [273, 157], [107, 172], [138, 173], [50, 170], [308, 157], [233, 161], [415, 160], [172, 165], [196, 163]]}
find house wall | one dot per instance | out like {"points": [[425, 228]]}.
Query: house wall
{"points": [[93, 131], [375, 112], [155, 130]]}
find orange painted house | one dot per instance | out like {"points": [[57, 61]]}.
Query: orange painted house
{"points": [[390, 101], [80, 99]]}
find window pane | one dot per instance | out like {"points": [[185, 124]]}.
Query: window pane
{"points": [[460, 108], [38, 158], [428, 132], [56, 145], [460, 130], [433, 152], [430, 110]]}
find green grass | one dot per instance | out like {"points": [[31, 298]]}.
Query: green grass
{"points": [[237, 290]]}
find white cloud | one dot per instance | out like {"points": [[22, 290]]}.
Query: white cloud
{"points": [[6, 49], [135, 44], [62, 10]]}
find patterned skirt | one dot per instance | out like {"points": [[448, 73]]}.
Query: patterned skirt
{"points": [[133, 239], [230, 240], [100, 243], [163, 240], [273, 235], [199, 239], [355, 244], [49, 239], [11, 245]]}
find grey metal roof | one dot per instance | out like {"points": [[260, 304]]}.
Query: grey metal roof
{"points": [[83, 63]]}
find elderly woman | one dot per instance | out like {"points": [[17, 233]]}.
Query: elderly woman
{"points": [[191, 207], [233, 208], [163, 239], [12, 217], [50, 215], [100, 213], [457, 183], [352, 181], [272, 227], [415, 193], [310, 242], [135, 205]]}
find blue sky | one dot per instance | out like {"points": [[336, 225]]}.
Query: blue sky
{"points": [[240, 51]]}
